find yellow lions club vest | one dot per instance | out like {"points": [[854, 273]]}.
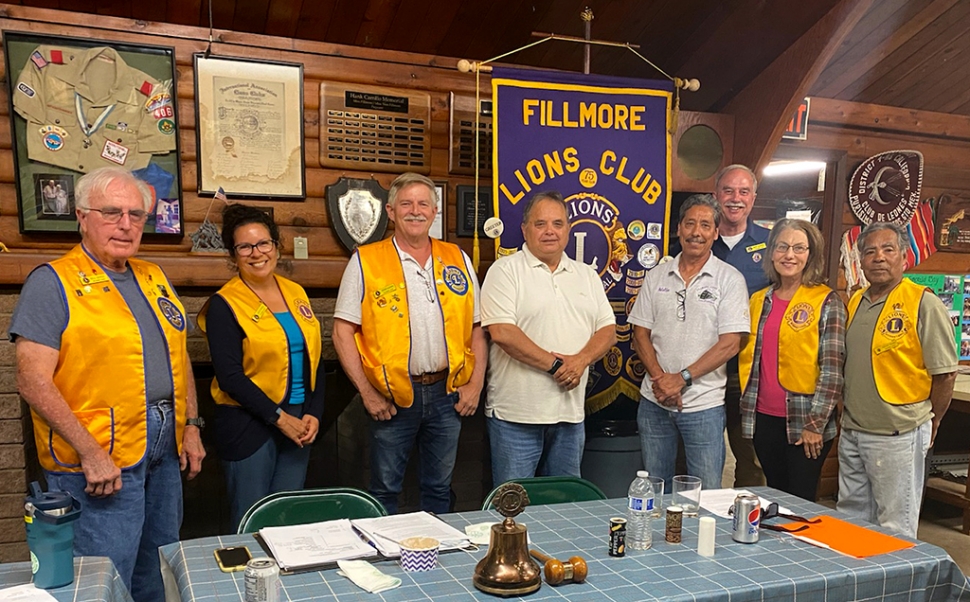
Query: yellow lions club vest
{"points": [[100, 371], [384, 337], [797, 340], [897, 354], [266, 358]]}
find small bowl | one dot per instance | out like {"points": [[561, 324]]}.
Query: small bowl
{"points": [[419, 554]]}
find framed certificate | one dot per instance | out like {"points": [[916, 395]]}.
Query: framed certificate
{"points": [[79, 105], [249, 128]]}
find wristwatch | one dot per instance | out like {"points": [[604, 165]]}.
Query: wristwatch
{"points": [[685, 374], [199, 422], [556, 365]]}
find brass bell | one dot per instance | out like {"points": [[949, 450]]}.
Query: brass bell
{"points": [[508, 569]]}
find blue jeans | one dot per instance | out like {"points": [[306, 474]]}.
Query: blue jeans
{"points": [[434, 423], [881, 477], [129, 526], [521, 451], [276, 466], [703, 435]]}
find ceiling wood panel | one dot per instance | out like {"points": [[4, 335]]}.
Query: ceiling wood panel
{"points": [[906, 53]]}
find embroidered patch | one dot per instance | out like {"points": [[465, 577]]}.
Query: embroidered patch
{"points": [[26, 90], [636, 230], [166, 126], [163, 112], [114, 152], [455, 279], [800, 316], [38, 59], [53, 141], [171, 313], [896, 325], [305, 311], [613, 361], [709, 295], [756, 257]]}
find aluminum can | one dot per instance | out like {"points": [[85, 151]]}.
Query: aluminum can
{"points": [[617, 536], [262, 579], [747, 517]]}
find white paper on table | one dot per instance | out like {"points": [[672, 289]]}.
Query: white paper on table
{"points": [[26, 593], [300, 546], [385, 531], [719, 502]]}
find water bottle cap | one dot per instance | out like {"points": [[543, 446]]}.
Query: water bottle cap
{"points": [[642, 474], [51, 502]]}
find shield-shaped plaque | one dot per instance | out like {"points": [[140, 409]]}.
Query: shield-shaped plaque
{"points": [[886, 187], [357, 211]]}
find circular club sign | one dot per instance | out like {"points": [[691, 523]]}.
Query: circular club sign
{"points": [[886, 187]]}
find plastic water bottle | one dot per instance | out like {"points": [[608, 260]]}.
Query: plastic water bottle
{"points": [[639, 507]]}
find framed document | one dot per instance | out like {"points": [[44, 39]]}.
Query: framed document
{"points": [[61, 126], [466, 225], [249, 128], [439, 228]]}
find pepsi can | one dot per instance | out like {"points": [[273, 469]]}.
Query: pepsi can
{"points": [[747, 517]]}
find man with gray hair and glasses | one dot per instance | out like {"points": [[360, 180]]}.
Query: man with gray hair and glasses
{"points": [[102, 363], [900, 368], [688, 321]]}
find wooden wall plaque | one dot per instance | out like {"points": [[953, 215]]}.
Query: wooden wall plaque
{"points": [[374, 128], [461, 135], [953, 223]]}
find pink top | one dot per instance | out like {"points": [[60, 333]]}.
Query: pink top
{"points": [[771, 396]]}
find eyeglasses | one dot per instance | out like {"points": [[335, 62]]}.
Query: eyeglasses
{"points": [[782, 247], [112, 215], [682, 305], [245, 249]]}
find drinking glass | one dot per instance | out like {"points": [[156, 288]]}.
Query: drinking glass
{"points": [[687, 494], [658, 496]]}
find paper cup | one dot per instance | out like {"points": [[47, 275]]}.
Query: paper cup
{"points": [[419, 554]]}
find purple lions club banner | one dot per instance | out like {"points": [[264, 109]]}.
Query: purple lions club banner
{"points": [[603, 143]]}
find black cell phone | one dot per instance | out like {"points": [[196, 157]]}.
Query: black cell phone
{"points": [[233, 559]]}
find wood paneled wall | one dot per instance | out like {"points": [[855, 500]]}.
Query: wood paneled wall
{"points": [[322, 62]]}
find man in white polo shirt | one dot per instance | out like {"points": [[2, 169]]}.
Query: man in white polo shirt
{"points": [[688, 321], [548, 319]]}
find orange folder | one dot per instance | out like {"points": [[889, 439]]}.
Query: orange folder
{"points": [[847, 538]]}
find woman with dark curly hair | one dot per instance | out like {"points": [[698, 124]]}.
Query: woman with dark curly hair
{"points": [[269, 381]]}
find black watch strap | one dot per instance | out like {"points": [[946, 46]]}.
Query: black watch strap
{"points": [[685, 374], [199, 422], [556, 365]]}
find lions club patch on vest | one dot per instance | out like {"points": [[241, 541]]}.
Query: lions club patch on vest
{"points": [[172, 314], [304, 308], [455, 280], [800, 316], [896, 324]]}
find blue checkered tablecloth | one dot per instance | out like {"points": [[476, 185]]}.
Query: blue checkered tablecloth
{"points": [[776, 568], [95, 579]]}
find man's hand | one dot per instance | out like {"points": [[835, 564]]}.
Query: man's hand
{"points": [[311, 427], [292, 427], [811, 443], [935, 423], [569, 374], [468, 396], [102, 474], [378, 406], [668, 385], [193, 452]]}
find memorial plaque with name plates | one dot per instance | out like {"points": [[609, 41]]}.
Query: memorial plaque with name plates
{"points": [[374, 128], [461, 135], [953, 223]]}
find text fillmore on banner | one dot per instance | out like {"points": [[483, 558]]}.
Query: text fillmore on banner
{"points": [[603, 143]]}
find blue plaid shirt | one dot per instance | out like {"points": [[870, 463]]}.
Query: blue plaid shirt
{"points": [[816, 412]]}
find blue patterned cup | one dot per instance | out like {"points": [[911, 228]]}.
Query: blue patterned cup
{"points": [[419, 554]]}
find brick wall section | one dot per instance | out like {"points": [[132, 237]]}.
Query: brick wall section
{"points": [[13, 474]]}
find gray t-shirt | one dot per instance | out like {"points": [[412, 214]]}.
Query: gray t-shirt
{"points": [[41, 317]]}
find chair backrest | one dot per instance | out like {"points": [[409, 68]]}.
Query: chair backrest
{"points": [[554, 490], [309, 506]]}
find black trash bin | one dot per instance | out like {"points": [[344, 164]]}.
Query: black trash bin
{"points": [[612, 455]]}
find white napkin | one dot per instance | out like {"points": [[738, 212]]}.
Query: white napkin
{"points": [[480, 533], [366, 576]]}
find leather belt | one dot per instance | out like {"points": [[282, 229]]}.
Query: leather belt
{"points": [[429, 378]]}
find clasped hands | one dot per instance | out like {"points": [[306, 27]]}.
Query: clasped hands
{"points": [[667, 389], [299, 431], [569, 374]]}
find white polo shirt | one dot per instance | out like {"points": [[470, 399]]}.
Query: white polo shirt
{"points": [[715, 303], [559, 311], [428, 353]]}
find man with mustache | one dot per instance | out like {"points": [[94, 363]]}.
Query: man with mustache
{"points": [[549, 319], [406, 330], [742, 244], [688, 321], [900, 366]]}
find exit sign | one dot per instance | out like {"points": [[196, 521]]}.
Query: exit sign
{"points": [[798, 126]]}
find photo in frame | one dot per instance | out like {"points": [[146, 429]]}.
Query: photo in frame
{"points": [[439, 228], [249, 128], [77, 105]]}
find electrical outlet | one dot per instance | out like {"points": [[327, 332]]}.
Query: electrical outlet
{"points": [[300, 250]]}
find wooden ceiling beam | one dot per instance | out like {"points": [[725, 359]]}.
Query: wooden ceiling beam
{"points": [[283, 17], [934, 76], [408, 20], [186, 12], [846, 113], [378, 18], [315, 20], [345, 21], [250, 15], [763, 108]]}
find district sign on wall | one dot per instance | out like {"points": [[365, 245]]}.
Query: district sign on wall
{"points": [[602, 142]]}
